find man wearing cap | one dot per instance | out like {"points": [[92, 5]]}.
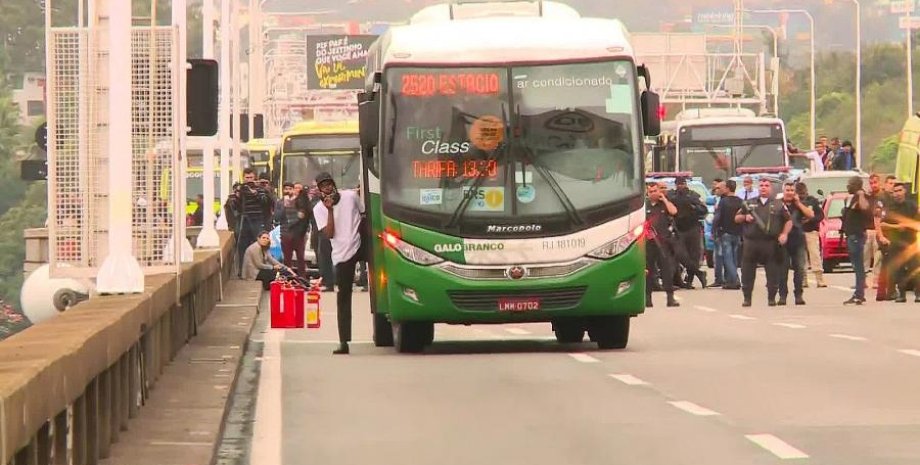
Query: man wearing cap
{"points": [[338, 216]]}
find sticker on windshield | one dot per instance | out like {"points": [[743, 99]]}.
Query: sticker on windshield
{"points": [[431, 196], [486, 199], [621, 99], [526, 193], [487, 132]]}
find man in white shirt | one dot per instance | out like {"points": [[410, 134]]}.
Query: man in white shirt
{"points": [[747, 192], [338, 215]]}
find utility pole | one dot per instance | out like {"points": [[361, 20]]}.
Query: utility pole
{"points": [[120, 272], [208, 237], [224, 113]]}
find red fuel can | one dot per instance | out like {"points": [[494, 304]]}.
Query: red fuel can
{"points": [[284, 309]]}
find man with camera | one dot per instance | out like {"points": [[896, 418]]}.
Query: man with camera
{"points": [[659, 261], [796, 252], [249, 202], [338, 216]]}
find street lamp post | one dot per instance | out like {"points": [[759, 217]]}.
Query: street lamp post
{"points": [[859, 146], [811, 25]]}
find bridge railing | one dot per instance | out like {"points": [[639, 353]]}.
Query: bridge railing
{"points": [[69, 385]]}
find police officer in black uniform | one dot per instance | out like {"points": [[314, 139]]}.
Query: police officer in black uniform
{"points": [[690, 210], [659, 260], [897, 235], [766, 230]]}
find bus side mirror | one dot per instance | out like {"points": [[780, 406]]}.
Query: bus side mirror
{"points": [[369, 120], [651, 119]]}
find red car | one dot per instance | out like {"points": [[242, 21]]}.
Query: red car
{"points": [[833, 245]]}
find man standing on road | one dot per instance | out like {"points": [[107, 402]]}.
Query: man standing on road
{"points": [[884, 285], [897, 233], [690, 209], [766, 230], [747, 191], [293, 219], [338, 215], [796, 255], [871, 263], [659, 260], [810, 227], [857, 218], [728, 233]]}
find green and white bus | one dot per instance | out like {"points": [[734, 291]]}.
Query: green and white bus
{"points": [[503, 167]]}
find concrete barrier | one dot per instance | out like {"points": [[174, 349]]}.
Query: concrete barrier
{"points": [[77, 379]]}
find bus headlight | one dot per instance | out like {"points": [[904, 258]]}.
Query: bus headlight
{"points": [[409, 251], [618, 245]]}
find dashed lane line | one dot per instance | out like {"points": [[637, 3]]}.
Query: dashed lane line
{"points": [[790, 325], [584, 358], [776, 446], [914, 352], [628, 379], [706, 309], [741, 317], [694, 409], [848, 337], [517, 331], [841, 288]]}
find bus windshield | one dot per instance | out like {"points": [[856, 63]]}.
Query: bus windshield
{"points": [[717, 151], [467, 147], [194, 185], [305, 157]]}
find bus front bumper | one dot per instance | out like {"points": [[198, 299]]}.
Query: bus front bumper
{"points": [[429, 293]]}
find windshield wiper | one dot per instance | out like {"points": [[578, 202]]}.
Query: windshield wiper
{"points": [[477, 183]]}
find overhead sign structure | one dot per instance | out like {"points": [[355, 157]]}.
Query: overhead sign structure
{"points": [[337, 62], [901, 7]]}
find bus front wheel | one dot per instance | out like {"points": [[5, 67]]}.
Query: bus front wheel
{"points": [[383, 331], [412, 336], [610, 332], [569, 331]]}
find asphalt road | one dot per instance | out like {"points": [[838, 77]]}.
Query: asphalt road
{"points": [[707, 383]]}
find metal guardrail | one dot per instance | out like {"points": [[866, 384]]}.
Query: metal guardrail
{"points": [[69, 385]]}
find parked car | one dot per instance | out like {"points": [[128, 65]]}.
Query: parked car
{"points": [[833, 245], [823, 184]]}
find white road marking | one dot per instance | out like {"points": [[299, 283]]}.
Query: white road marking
{"points": [[180, 443], [584, 358], [776, 446], [841, 288], [706, 309], [790, 325], [915, 353], [266, 437], [628, 379], [694, 409], [848, 337], [518, 331], [741, 317]]}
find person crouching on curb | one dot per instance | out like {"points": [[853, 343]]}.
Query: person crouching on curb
{"points": [[258, 262], [338, 216]]}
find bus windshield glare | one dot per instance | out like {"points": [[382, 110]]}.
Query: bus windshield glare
{"points": [[473, 145], [305, 157], [716, 151]]}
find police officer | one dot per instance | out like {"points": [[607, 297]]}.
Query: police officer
{"points": [[766, 230], [796, 253], [659, 261], [690, 210], [897, 235]]}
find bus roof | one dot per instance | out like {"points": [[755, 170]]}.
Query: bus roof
{"points": [[265, 143], [726, 120], [306, 128], [503, 40]]}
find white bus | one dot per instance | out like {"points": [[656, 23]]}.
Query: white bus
{"points": [[716, 147]]}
